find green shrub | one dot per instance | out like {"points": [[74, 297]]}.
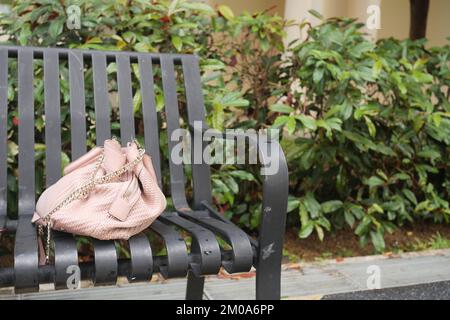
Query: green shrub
{"points": [[368, 130]]}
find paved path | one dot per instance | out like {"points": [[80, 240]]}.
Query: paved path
{"points": [[425, 291], [328, 279]]}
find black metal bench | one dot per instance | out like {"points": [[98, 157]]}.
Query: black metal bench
{"points": [[199, 220]]}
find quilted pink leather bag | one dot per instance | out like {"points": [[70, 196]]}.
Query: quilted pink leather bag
{"points": [[109, 193]]}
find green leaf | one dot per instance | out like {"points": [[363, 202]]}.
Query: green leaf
{"points": [[238, 103], [96, 40], [291, 125], [255, 219], [213, 64], [278, 107], [308, 121], [319, 231], [324, 222], [374, 181], [359, 139], [422, 77], [232, 99], [429, 153], [159, 102], [177, 43], [311, 204], [318, 74], [336, 36], [293, 203], [197, 6], [242, 175], [375, 208], [172, 7], [424, 205], [324, 55], [401, 176], [334, 123], [220, 185], [306, 230], [331, 206], [361, 48], [280, 121], [378, 241], [303, 213], [316, 14], [370, 109], [357, 211], [226, 12], [346, 110], [334, 70], [370, 127], [232, 184], [307, 158], [349, 218], [410, 196], [382, 148], [142, 47], [13, 149], [56, 28], [377, 67], [363, 226], [437, 119], [25, 34], [137, 101], [363, 239], [218, 117]]}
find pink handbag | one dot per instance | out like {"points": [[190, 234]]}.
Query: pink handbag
{"points": [[109, 193]]}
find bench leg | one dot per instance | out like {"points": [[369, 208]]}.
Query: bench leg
{"points": [[270, 255], [268, 276], [194, 289]]}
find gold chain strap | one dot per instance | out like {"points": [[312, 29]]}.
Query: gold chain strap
{"points": [[83, 192]]}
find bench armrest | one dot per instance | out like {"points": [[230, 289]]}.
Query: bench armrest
{"points": [[273, 216], [275, 188]]}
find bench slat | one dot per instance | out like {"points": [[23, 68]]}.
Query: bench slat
{"points": [[177, 180], [66, 255], [77, 104], [204, 245], [26, 249], [141, 258], [102, 110], [127, 132], [241, 253], [105, 256], [177, 256], [26, 133], [149, 114], [52, 118], [209, 259], [3, 134], [201, 175], [65, 245]]}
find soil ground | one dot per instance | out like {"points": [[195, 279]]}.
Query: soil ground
{"points": [[344, 243]]}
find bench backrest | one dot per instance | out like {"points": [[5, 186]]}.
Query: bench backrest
{"points": [[79, 61]]}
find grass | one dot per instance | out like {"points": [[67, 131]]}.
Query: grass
{"points": [[437, 241]]}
